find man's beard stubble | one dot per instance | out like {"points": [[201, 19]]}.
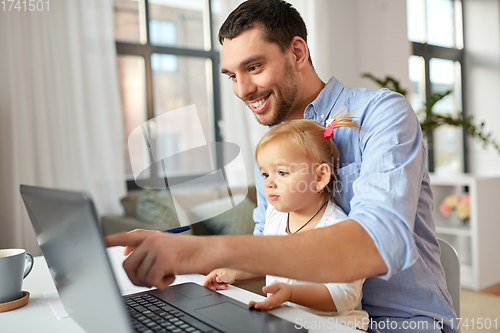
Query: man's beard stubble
{"points": [[284, 107]]}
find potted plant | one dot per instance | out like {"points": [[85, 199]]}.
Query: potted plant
{"points": [[430, 120]]}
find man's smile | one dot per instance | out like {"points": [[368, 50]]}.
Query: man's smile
{"points": [[260, 104]]}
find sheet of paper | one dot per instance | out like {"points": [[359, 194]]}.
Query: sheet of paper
{"points": [[126, 286], [52, 298]]}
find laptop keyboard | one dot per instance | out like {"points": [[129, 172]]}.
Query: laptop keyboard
{"points": [[150, 314]]}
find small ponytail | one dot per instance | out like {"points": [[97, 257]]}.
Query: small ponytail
{"points": [[343, 121]]}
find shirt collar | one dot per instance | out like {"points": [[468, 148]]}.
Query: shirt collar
{"points": [[321, 108]]}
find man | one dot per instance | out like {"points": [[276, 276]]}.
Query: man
{"points": [[389, 237]]}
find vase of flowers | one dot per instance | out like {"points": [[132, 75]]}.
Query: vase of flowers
{"points": [[460, 204]]}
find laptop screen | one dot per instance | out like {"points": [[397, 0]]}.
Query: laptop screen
{"points": [[68, 233]]}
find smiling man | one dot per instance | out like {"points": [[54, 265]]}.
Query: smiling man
{"points": [[389, 237], [265, 80]]}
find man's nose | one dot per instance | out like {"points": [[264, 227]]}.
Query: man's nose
{"points": [[244, 87]]}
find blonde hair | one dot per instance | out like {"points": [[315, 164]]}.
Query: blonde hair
{"points": [[308, 137]]}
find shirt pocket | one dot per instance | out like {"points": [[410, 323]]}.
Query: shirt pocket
{"points": [[343, 188]]}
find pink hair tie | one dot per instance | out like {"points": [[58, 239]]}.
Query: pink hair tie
{"points": [[330, 125]]}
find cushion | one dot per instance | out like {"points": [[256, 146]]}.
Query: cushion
{"points": [[182, 215], [158, 208], [236, 221], [129, 203]]}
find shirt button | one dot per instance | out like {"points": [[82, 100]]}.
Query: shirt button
{"points": [[322, 116]]}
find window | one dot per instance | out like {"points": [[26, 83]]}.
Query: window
{"points": [[163, 33], [166, 62], [436, 32]]}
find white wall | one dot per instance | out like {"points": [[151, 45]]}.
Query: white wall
{"points": [[482, 61], [348, 38]]}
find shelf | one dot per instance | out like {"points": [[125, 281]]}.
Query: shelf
{"points": [[454, 230], [467, 278], [454, 180], [476, 243]]}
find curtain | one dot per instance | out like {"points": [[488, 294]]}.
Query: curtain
{"points": [[60, 113], [239, 125]]}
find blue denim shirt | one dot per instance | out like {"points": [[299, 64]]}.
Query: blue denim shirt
{"points": [[383, 185]]}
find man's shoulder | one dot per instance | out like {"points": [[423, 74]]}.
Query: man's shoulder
{"points": [[379, 104], [369, 96], [366, 105]]}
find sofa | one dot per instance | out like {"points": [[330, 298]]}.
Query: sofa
{"points": [[159, 210]]}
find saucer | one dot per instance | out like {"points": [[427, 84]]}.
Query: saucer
{"points": [[20, 302]]}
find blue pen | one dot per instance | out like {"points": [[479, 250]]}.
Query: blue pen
{"points": [[177, 230]]}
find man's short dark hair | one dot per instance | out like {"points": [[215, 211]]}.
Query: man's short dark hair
{"points": [[279, 21]]}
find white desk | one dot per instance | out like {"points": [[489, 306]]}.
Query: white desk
{"points": [[37, 316]]}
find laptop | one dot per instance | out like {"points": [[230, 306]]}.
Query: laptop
{"points": [[69, 235]]}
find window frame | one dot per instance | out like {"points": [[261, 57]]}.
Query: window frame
{"points": [[428, 52], [146, 51]]}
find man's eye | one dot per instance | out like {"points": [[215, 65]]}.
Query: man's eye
{"points": [[231, 77], [253, 68]]}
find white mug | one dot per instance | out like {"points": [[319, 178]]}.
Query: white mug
{"points": [[15, 265]]}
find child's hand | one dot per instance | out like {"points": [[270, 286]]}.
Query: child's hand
{"points": [[219, 278], [279, 293]]}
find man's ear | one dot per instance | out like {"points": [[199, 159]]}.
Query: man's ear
{"points": [[300, 51], [323, 175]]}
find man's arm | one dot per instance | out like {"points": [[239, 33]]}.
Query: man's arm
{"points": [[387, 182], [343, 252], [351, 255]]}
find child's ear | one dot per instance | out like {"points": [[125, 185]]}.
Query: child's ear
{"points": [[323, 175]]}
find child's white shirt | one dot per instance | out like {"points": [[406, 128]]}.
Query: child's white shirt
{"points": [[346, 296]]}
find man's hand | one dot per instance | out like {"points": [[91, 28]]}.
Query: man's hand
{"points": [[129, 249], [278, 293], [219, 279], [156, 257]]}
